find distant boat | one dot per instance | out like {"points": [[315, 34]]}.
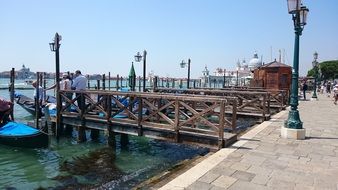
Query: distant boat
{"points": [[21, 135], [29, 81]]}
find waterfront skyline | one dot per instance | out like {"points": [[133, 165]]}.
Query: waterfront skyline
{"points": [[101, 37]]}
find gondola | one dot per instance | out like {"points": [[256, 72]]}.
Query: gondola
{"points": [[21, 135], [29, 104]]}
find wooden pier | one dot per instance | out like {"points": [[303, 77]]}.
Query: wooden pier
{"points": [[251, 104], [194, 119]]}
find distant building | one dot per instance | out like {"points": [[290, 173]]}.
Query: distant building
{"points": [[24, 73], [241, 76]]}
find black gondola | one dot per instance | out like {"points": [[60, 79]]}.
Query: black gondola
{"points": [[21, 135], [29, 104]]}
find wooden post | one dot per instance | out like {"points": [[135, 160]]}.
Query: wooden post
{"points": [[139, 83], [234, 115], [111, 137], [103, 82], [121, 82], [111, 134], [44, 86], [94, 134], [37, 100], [108, 80], [117, 82], [155, 83], [98, 84], [81, 129], [11, 89], [88, 83], [177, 119], [124, 140], [221, 125], [264, 101], [140, 115]]}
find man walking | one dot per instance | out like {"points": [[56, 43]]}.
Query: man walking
{"points": [[304, 89]]}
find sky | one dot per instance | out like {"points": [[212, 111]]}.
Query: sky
{"points": [[103, 36]]}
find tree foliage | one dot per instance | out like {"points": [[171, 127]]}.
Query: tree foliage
{"points": [[328, 69]]}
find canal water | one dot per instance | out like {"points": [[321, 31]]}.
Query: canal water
{"points": [[71, 165]]}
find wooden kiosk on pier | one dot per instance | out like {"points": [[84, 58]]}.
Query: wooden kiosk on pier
{"points": [[273, 76]]}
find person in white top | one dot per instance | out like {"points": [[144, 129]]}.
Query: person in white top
{"points": [[80, 83], [335, 92], [65, 84], [40, 89]]}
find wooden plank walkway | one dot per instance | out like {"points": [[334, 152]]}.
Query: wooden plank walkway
{"points": [[194, 119]]}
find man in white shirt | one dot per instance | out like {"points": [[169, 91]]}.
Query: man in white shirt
{"points": [[79, 83]]}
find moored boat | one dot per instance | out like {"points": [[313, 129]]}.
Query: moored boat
{"points": [[21, 135], [29, 104]]}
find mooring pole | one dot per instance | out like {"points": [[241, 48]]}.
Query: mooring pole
{"points": [[108, 80], [139, 83], [104, 82], [121, 82], [37, 100], [117, 82], [11, 89]]}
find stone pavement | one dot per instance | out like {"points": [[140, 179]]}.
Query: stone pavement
{"points": [[261, 159]]}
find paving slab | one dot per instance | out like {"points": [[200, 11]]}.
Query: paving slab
{"points": [[261, 159]]}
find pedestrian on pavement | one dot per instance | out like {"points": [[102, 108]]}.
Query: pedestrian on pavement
{"points": [[328, 89], [335, 94], [304, 88]]}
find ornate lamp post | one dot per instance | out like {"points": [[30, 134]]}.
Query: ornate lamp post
{"points": [[138, 58], [315, 68], [55, 46], [299, 14], [184, 64]]}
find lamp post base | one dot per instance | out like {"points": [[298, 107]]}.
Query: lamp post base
{"points": [[293, 121], [288, 133]]}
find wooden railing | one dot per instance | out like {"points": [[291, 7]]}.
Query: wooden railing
{"points": [[249, 103], [179, 115], [279, 98]]}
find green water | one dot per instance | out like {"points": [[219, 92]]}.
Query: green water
{"points": [[71, 165]]}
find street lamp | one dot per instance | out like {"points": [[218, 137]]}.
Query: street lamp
{"points": [[55, 46], [138, 58], [315, 69], [299, 14], [184, 64]]}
